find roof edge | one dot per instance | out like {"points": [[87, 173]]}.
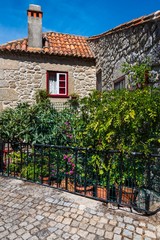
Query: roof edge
{"points": [[134, 22], [41, 52]]}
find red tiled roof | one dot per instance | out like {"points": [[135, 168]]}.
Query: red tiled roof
{"points": [[54, 43], [152, 17]]}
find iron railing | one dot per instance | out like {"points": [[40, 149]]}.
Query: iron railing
{"points": [[128, 179]]}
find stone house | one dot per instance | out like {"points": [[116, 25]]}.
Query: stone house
{"points": [[131, 42], [63, 63]]}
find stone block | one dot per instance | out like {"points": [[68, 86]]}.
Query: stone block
{"points": [[3, 84], [8, 94], [6, 64], [1, 74], [1, 106]]}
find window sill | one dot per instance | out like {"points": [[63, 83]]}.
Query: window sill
{"points": [[58, 96]]}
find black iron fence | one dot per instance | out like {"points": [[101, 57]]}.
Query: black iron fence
{"points": [[128, 179]]}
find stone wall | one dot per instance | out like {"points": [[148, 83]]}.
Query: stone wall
{"points": [[129, 45], [21, 75]]}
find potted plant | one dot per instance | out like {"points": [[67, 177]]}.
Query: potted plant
{"points": [[30, 172], [44, 174], [16, 160]]}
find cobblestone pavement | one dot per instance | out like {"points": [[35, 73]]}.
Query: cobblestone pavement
{"points": [[30, 211]]}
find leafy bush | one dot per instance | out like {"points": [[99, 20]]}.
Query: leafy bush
{"points": [[39, 123], [124, 120]]}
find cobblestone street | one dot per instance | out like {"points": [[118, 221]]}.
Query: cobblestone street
{"points": [[31, 212]]}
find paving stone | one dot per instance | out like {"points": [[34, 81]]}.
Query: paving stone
{"points": [[33, 238], [128, 220], [66, 236], [20, 231], [86, 220], [40, 213], [92, 222], [127, 233], [13, 228], [137, 237], [34, 230], [52, 229], [91, 229], [91, 237], [73, 230], [80, 212], [109, 228], [59, 219], [75, 237], [75, 223], [130, 227], [117, 237], [26, 235], [83, 225], [100, 232], [150, 234], [59, 232], [139, 230], [119, 219], [109, 235], [121, 225], [102, 220], [52, 236], [59, 225], [113, 222], [151, 227], [67, 214], [67, 221], [109, 216], [135, 223], [4, 234], [29, 227], [2, 229], [99, 225], [12, 236], [142, 224], [79, 218], [117, 230], [82, 233]]}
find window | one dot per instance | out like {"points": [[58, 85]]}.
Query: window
{"points": [[120, 83], [57, 84], [99, 80]]}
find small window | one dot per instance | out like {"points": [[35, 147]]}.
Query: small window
{"points": [[99, 80], [120, 83], [57, 84]]}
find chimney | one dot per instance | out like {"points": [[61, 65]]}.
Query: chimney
{"points": [[34, 26]]}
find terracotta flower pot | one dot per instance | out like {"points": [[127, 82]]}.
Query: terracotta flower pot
{"points": [[45, 180], [81, 190], [128, 195], [101, 192]]}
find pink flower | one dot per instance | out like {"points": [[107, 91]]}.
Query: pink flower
{"points": [[65, 157]]}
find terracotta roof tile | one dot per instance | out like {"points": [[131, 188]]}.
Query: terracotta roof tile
{"points": [[152, 17], [56, 44]]}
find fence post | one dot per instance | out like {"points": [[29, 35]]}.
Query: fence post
{"points": [[148, 184], [1, 155]]}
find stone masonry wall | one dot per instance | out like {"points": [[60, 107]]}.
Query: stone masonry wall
{"points": [[130, 45], [22, 75]]}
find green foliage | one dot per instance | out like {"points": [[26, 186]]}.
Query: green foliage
{"points": [[123, 120], [39, 123], [41, 96], [138, 73]]}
